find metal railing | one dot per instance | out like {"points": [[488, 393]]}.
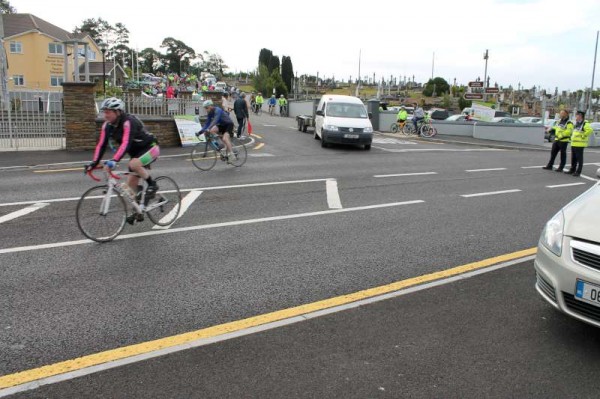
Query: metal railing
{"points": [[32, 120], [161, 106]]}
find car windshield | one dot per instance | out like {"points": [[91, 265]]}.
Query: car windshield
{"points": [[549, 122], [343, 110]]}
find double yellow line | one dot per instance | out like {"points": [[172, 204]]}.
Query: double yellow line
{"points": [[24, 377]]}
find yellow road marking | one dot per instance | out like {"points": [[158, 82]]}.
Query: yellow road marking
{"points": [[58, 170], [26, 376], [257, 136], [259, 146]]}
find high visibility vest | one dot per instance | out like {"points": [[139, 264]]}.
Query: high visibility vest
{"points": [[402, 115], [581, 135], [259, 100], [563, 132]]}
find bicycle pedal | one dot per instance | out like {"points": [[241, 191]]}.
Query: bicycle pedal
{"points": [[131, 219], [139, 217]]}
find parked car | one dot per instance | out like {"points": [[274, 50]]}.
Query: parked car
{"points": [[505, 119], [456, 118], [530, 119], [567, 263], [438, 114], [549, 129]]}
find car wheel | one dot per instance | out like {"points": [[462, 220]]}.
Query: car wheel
{"points": [[367, 147]]}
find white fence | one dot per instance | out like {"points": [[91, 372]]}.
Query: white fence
{"points": [[32, 120], [161, 106]]}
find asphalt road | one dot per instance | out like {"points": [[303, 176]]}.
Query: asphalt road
{"points": [[271, 236]]}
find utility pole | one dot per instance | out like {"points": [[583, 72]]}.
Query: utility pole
{"points": [[358, 84], [589, 110], [485, 57], [432, 64]]}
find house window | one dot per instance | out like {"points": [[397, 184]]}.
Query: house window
{"points": [[19, 80], [16, 47], [56, 81], [55, 48], [91, 54]]}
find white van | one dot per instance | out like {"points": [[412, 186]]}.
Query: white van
{"points": [[220, 86], [343, 120]]}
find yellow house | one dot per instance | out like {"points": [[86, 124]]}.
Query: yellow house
{"points": [[35, 52]]}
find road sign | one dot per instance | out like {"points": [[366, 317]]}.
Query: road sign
{"points": [[492, 90], [473, 96], [476, 84]]}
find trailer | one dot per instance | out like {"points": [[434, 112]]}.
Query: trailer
{"points": [[304, 122]]}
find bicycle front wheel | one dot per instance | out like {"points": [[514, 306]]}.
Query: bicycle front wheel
{"points": [[408, 128], [164, 208], [240, 153], [428, 131], [101, 217], [204, 156]]}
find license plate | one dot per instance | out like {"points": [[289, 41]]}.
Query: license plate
{"points": [[587, 292], [350, 136]]}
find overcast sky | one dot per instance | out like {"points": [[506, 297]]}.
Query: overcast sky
{"points": [[547, 43]]}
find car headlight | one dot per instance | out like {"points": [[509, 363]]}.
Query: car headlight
{"points": [[331, 128], [552, 236], [368, 130]]}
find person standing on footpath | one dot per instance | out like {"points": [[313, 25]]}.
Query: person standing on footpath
{"points": [[240, 107], [563, 131], [579, 140]]}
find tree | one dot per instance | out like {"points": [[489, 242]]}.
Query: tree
{"points": [[260, 79], [214, 64], [178, 54], [274, 64], [264, 57], [287, 71], [276, 82], [435, 87], [150, 60], [446, 101], [98, 29], [462, 103], [6, 8]]}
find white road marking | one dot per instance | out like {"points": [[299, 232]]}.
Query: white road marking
{"points": [[484, 170], [439, 149], [181, 190], [270, 125], [23, 212], [333, 195], [588, 178], [186, 202], [565, 185], [490, 193], [407, 174], [260, 155], [210, 226], [532, 167], [392, 141]]}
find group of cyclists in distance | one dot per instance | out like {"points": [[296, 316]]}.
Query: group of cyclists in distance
{"points": [[257, 101]]}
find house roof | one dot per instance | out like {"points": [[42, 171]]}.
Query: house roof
{"points": [[16, 24]]}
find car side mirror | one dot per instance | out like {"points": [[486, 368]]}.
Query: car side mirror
{"points": [[320, 113], [370, 115]]}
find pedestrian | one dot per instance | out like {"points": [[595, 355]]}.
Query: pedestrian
{"points": [[582, 130], [240, 107], [563, 131], [226, 103]]}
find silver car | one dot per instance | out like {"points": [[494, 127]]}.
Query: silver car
{"points": [[567, 263]]}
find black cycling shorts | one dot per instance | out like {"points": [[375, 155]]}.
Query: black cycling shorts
{"points": [[226, 128]]}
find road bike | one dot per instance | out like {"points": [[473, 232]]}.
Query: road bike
{"points": [[271, 109], [283, 110], [257, 109], [102, 211], [206, 153], [424, 127]]}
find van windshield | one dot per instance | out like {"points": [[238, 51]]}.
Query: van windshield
{"points": [[343, 110]]}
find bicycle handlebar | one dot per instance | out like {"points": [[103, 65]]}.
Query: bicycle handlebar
{"points": [[90, 173]]}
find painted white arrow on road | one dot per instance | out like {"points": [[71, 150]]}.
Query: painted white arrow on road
{"points": [[186, 202], [23, 212]]}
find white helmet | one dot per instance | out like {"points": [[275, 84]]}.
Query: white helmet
{"points": [[207, 103], [113, 103]]}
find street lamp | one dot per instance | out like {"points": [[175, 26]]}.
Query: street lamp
{"points": [[103, 50]]}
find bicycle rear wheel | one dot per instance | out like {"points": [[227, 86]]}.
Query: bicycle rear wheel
{"points": [[408, 128], [204, 156], [394, 128], [240, 151], [164, 208], [100, 217]]}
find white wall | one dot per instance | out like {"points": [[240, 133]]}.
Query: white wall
{"points": [[386, 118], [512, 133], [451, 128]]}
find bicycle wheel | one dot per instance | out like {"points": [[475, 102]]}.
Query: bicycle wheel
{"points": [[100, 217], [394, 128], [427, 131], [204, 156], [240, 151], [408, 128], [164, 208]]}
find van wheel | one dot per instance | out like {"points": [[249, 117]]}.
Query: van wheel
{"points": [[300, 125], [367, 147], [315, 135], [304, 127], [323, 143]]}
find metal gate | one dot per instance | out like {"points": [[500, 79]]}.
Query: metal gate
{"points": [[33, 120]]}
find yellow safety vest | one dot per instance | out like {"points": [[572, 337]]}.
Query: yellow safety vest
{"points": [[581, 135]]}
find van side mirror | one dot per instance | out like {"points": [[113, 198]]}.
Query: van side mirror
{"points": [[320, 113], [370, 115], [598, 172]]}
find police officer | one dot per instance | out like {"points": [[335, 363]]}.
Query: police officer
{"points": [[582, 130], [563, 131]]}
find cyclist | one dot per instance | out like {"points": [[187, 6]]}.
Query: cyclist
{"points": [[402, 117], [252, 100], [259, 101], [272, 102], [129, 133], [282, 105], [218, 122], [418, 116]]}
